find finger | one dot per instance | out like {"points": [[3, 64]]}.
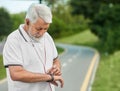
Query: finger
{"points": [[58, 73], [50, 71], [62, 83], [54, 83]]}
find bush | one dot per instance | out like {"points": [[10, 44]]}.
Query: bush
{"points": [[106, 26], [64, 24], [5, 23], [17, 20]]}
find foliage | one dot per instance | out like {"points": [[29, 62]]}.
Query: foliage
{"points": [[5, 23], [105, 20], [17, 19], [89, 7], [60, 50], [64, 23], [56, 27], [106, 26]]}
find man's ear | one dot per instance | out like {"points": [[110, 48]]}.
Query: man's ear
{"points": [[27, 21]]}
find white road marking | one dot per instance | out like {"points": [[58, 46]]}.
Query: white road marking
{"points": [[64, 64], [74, 56], [70, 60], [88, 75]]}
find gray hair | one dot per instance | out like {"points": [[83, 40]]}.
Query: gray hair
{"points": [[36, 11]]}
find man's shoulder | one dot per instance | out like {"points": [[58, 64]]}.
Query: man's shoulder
{"points": [[14, 34], [48, 35]]}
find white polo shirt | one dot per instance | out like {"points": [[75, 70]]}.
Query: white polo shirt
{"points": [[19, 50]]}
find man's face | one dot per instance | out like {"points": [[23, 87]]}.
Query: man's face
{"points": [[38, 28]]}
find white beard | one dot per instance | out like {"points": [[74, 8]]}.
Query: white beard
{"points": [[33, 37]]}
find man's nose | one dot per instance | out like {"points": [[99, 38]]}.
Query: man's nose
{"points": [[42, 31]]}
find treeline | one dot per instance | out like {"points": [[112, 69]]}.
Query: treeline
{"points": [[105, 21], [64, 24], [9, 22]]}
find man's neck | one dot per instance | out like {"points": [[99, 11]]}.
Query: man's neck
{"points": [[25, 28]]}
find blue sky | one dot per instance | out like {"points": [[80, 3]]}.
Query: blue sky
{"points": [[16, 6]]}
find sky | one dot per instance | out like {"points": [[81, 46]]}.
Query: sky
{"points": [[16, 6]]}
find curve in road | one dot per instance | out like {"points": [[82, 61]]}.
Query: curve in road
{"points": [[78, 66]]}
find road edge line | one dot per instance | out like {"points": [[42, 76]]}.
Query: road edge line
{"points": [[89, 73]]}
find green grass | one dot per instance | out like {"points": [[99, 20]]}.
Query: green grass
{"points": [[84, 38], [2, 69], [108, 73], [60, 50]]}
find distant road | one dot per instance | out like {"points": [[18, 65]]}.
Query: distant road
{"points": [[76, 64]]}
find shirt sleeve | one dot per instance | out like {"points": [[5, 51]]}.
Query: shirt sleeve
{"points": [[11, 53], [55, 52]]}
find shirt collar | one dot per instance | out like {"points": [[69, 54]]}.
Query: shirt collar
{"points": [[24, 32], [27, 37]]}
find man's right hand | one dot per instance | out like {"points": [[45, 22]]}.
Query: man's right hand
{"points": [[58, 79]]}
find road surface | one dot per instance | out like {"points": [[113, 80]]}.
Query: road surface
{"points": [[76, 62]]}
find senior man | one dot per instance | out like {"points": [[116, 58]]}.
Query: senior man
{"points": [[30, 55]]}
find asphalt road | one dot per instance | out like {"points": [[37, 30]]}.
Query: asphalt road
{"points": [[75, 64], [75, 61]]}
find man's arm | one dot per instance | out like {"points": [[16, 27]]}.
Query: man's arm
{"points": [[57, 63], [56, 71], [18, 73], [56, 68]]}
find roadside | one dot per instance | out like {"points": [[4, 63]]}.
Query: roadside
{"points": [[107, 77]]}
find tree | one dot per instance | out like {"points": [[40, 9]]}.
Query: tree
{"points": [[5, 23], [89, 7], [17, 19], [105, 21], [105, 25]]}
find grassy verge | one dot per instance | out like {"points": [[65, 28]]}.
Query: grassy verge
{"points": [[83, 38], [2, 69], [60, 50], [108, 75]]}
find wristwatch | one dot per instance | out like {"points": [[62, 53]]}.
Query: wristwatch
{"points": [[52, 78]]}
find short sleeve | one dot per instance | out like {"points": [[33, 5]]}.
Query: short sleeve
{"points": [[11, 52], [55, 52]]}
